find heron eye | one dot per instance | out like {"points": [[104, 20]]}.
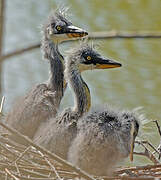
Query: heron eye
{"points": [[88, 58], [58, 28]]}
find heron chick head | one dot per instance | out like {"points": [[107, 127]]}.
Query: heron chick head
{"points": [[59, 28], [86, 57]]}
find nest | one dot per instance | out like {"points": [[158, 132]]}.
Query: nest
{"points": [[32, 162]]}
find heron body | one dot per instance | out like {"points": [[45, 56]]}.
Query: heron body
{"points": [[43, 101], [104, 138], [58, 135]]}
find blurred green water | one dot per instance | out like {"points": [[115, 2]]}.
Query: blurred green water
{"points": [[137, 83]]}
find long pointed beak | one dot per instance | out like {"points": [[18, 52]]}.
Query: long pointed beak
{"points": [[132, 141], [132, 149], [102, 63], [75, 32]]}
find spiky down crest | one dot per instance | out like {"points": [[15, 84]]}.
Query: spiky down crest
{"points": [[61, 13], [84, 45]]}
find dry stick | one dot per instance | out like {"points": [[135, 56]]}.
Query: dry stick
{"points": [[18, 171], [23, 171], [155, 170], [65, 173], [92, 35], [159, 130], [6, 176], [52, 155], [30, 178], [138, 168], [13, 153], [20, 51], [2, 173], [5, 135], [21, 155], [146, 153], [33, 174], [50, 164], [148, 143], [21, 151], [129, 178], [8, 150], [37, 159], [11, 175], [26, 178], [19, 148], [43, 170], [127, 35], [30, 173], [2, 103], [14, 145], [37, 172], [142, 154], [1, 108]]}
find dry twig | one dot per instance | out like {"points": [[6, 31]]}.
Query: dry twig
{"points": [[127, 35], [149, 144], [18, 171], [11, 175], [147, 153], [159, 130], [1, 106], [20, 51], [53, 156], [21, 155], [50, 164], [147, 168]]}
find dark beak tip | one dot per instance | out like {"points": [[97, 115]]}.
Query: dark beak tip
{"points": [[119, 64]]}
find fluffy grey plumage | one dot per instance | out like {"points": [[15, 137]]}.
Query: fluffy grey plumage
{"points": [[59, 133], [43, 101], [29, 112], [103, 140]]}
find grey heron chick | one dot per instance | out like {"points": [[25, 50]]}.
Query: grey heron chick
{"points": [[59, 133], [104, 138], [43, 101]]}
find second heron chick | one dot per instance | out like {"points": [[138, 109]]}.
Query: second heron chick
{"points": [[59, 133], [105, 138]]}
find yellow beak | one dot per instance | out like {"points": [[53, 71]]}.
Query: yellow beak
{"points": [[107, 66], [132, 149]]}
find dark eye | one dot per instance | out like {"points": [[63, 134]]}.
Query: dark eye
{"points": [[58, 28], [88, 58]]}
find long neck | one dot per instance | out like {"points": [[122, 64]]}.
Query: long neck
{"points": [[82, 98], [56, 79]]}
